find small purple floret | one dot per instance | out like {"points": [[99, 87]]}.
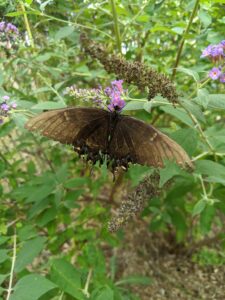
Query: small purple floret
{"points": [[117, 84], [13, 105], [207, 51], [222, 43], [108, 91], [6, 98], [214, 73], [2, 26], [222, 78], [214, 52], [11, 28], [1, 121], [5, 107]]}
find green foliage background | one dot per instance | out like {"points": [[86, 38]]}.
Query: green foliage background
{"points": [[54, 213]]}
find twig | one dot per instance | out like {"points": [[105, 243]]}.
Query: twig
{"points": [[116, 25], [198, 126], [51, 87], [184, 38], [85, 290], [206, 242], [27, 24], [203, 188], [42, 14], [61, 296], [44, 156], [9, 290]]}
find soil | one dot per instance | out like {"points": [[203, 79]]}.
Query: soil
{"points": [[172, 270]]}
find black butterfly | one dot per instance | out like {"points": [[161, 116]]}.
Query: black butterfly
{"points": [[99, 134]]}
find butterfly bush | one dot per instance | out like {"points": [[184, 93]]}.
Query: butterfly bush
{"points": [[111, 96], [9, 35], [216, 54], [5, 107]]}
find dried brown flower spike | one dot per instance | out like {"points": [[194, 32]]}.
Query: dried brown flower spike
{"points": [[136, 201], [131, 72]]}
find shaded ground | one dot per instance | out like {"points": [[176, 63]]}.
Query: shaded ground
{"points": [[174, 275]]}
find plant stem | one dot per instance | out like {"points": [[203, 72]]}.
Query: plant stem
{"points": [[85, 290], [116, 25], [203, 188], [51, 87], [27, 24], [198, 126], [184, 38], [12, 268], [71, 23], [200, 155]]}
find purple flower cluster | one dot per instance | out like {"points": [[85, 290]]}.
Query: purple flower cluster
{"points": [[216, 53], [114, 93], [5, 108], [9, 34], [100, 97], [8, 28]]}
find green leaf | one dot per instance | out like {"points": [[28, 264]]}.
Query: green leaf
{"points": [[211, 168], [143, 18], [48, 215], [29, 1], [39, 193], [136, 279], [67, 278], [194, 108], [134, 105], [178, 220], [3, 239], [3, 277], [205, 18], [214, 37], [62, 173], [3, 255], [216, 101], [187, 138], [6, 128], [76, 182], [44, 57], [203, 97], [179, 114], [199, 207], [19, 119], [44, 4], [215, 179], [64, 32], [178, 30], [28, 252], [103, 293], [49, 105], [31, 287], [26, 232], [206, 218], [19, 13], [171, 169], [189, 72], [147, 106]]}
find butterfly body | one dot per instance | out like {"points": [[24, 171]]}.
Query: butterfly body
{"points": [[102, 135]]}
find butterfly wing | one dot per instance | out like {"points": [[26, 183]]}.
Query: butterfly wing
{"points": [[68, 125], [145, 144]]}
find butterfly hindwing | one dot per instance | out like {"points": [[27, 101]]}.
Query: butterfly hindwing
{"points": [[147, 145]]}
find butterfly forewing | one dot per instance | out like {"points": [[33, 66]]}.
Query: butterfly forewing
{"points": [[64, 125]]}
